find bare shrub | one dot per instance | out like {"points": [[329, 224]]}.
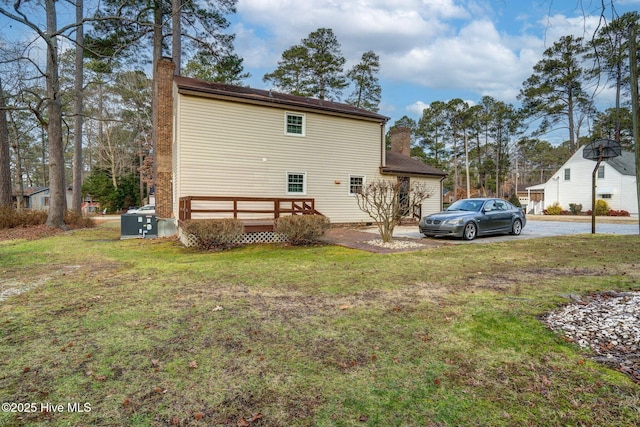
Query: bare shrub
{"points": [[384, 200], [302, 229], [214, 233], [76, 220], [11, 218]]}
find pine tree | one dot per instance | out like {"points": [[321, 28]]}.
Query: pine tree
{"points": [[313, 68], [554, 93], [367, 92]]}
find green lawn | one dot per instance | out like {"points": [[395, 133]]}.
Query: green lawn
{"points": [[148, 333]]}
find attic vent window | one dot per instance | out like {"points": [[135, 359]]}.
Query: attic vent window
{"points": [[294, 124]]}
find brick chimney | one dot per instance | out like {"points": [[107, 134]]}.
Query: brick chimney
{"points": [[401, 140], [163, 141]]}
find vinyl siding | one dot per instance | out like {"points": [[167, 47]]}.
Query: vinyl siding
{"points": [[234, 149]]}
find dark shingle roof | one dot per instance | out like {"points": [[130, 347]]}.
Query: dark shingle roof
{"points": [[624, 163], [29, 191], [400, 164], [191, 86]]}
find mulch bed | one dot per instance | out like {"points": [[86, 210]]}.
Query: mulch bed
{"points": [[357, 239]]}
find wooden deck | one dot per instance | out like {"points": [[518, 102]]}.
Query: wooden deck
{"points": [[257, 213]]}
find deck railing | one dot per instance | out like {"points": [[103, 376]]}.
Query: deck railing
{"points": [[246, 207]]}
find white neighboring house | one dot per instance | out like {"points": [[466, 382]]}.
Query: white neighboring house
{"points": [[615, 184]]}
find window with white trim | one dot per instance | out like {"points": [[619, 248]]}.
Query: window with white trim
{"points": [[294, 124], [601, 172], [567, 174], [356, 184], [296, 182]]}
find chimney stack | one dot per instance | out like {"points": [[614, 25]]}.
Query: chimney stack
{"points": [[163, 141], [401, 140]]}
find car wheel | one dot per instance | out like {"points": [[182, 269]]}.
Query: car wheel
{"points": [[516, 229], [470, 231]]}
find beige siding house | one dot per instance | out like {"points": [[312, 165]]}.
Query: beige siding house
{"points": [[235, 142]]}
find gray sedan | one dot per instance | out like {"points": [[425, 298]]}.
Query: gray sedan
{"points": [[469, 218]]}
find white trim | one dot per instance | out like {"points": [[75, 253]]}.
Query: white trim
{"points": [[304, 183], [304, 124]]}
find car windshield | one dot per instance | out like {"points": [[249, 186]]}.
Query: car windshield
{"points": [[466, 205]]}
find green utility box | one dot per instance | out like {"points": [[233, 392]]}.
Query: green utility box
{"points": [[144, 226]]}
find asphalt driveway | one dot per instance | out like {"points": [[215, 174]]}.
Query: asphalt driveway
{"points": [[537, 228]]}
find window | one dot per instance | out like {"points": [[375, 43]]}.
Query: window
{"points": [[296, 183], [606, 196], [601, 172], [567, 174], [356, 184], [294, 124]]}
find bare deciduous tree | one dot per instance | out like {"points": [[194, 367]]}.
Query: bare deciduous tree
{"points": [[386, 200]]}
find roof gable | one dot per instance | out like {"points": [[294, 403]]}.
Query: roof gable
{"points": [[190, 86]]}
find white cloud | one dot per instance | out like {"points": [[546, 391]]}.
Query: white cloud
{"points": [[444, 46], [417, 107], [477, 59]]}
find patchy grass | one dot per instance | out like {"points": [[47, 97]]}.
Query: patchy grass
{"points": [[149, 334]]}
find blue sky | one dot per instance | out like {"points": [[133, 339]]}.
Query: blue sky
{"points": [[429, 49]]}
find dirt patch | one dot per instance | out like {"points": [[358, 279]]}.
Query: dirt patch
{"points": [[28, 233]]}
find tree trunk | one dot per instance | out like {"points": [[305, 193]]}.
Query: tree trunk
{"points": [[57, 200], [19, 174], [5, 156], [157, 54], [76, 204], [176, 44], [466, 163]]}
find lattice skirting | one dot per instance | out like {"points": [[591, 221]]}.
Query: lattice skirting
{"points": [[190, 240]]}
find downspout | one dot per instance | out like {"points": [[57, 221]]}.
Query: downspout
{"points": [[441, 195], [383, 151]]}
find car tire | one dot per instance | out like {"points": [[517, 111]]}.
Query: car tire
{"points": [[470, 231], [516, 228]]}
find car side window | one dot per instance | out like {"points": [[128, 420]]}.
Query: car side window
{"points": [[490, 206], [501, 206]]}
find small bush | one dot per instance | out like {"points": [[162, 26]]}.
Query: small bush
{"points": [[214, 233], [554, 209], [602, 208], [576, 208], [515, 200], [302, 229], [76, 220], [622, 212], [11, 218]]}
